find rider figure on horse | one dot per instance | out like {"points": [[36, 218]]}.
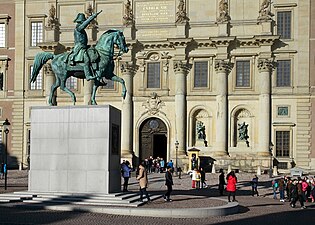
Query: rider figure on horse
{"points": [[79, 52]]}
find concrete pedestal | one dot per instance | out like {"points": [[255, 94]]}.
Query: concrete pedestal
{"points": [[75, 149]]}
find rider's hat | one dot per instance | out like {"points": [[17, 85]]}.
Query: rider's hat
{"points": [[80, 18]]}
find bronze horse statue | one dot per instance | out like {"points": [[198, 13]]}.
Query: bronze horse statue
{"points": [[102, 61]]}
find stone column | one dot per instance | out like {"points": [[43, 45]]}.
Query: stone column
{"points": [[264, 66], [180, 70], [50, 79], [127, 112], [88, 86], [222, 69]]}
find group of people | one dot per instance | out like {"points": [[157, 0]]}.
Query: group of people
{"points": [[142, 177], [157, 165], [294, 190], [289, 189], [198, 178]]}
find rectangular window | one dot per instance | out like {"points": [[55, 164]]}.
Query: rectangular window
{"points": [[37, 33], [284, 24], [72, 83], [2, 35], [109, 85], [201, 74], [154, 76], [38, 84], [284, 73], [243, 73], [283, 143]]}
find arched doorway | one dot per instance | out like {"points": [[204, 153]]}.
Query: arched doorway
{"points": [[153, 139]]}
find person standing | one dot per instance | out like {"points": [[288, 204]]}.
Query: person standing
{"points": [[125, 170], [162, 165], [221, 182], [171, 164], [231, 185], [281, 189], [203, 178], [169, 184], [274, 185], [143, 182], [254, 183], [2, 171]]}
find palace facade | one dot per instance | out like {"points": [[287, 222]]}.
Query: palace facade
{"points": [[232, 78]]}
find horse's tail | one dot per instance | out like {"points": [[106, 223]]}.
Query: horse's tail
{"points": [[40, 59]]}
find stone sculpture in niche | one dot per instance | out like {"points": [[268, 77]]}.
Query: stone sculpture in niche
{"points": [[243, 132]]}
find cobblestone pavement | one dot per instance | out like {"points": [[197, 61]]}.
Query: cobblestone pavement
{"points": [[260, 210]]}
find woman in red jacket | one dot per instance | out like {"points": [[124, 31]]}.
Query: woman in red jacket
{"points": [[231, 185]]}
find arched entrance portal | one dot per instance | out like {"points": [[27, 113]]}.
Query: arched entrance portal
{"points": [[153, 139]]}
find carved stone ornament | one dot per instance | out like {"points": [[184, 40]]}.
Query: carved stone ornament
{"points": [[264, 12], [153, 104], [223, 12], [52, 20], [89, 12], [265, 65], [128, 19], [181, 16], [126, 67], [222, 66], [179, 66], [154, 57]]}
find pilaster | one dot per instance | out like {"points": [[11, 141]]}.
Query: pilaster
{"points": [[127, 70], [222, 69], [265, 67], [180, 70]]}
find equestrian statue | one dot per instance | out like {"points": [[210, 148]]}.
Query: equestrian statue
{"points": [[84, 61]]}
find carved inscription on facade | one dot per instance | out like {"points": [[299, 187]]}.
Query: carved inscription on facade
{"points": [[155, 12]]}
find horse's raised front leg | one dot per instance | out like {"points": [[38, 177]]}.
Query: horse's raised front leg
{"points": [[64, 88], [52, 90], [96, 84], [120, 80]]}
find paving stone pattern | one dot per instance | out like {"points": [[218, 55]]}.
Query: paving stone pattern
{"points": [[260, 210]]}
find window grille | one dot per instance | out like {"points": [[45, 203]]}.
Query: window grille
{"points": [[37, 33], [282, 143], [72, 83], [243, 73], [284, 73], [38, 84], [154, 76], [201, 74], [284, 21]]}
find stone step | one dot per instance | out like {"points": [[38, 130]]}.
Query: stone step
{"points": [[130, 199]]}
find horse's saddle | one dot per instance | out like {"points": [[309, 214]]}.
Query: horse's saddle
{"points": [[79, 57]]}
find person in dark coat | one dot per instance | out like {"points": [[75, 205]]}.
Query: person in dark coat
{"points": [[202, 178], [169, 184], [254, 184], [221, 182]]}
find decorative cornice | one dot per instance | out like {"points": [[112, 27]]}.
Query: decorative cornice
{"points": [[223, 66], [222, 41], [265, 65], [257, 41], [179, 42]]}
